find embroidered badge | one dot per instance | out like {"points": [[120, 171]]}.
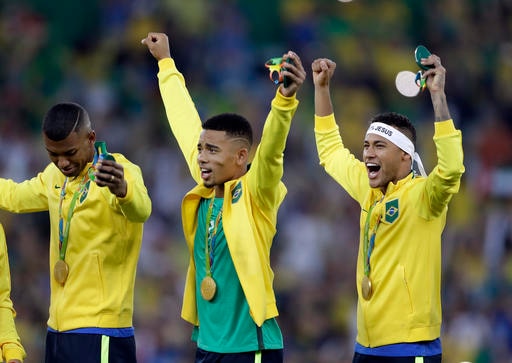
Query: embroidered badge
{"points": [[85, 191], [236, 193], [392, 211]]}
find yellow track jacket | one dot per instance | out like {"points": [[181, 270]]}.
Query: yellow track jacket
{"points": [[105, 237], [250, 203], [406, 259], [10, 344]]}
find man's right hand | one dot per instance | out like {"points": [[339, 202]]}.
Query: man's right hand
{"points": [[323, 70], [158, 45]]}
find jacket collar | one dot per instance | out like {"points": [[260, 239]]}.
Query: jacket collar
{"points": [[392, 187]]}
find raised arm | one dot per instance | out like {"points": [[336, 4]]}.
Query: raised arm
{"points": [[444, 181], [334, 157], [267, 167], [435, 78], [181, 112], [323, 70]]}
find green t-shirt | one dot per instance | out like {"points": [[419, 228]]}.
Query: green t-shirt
{"points": [[225, 325]]}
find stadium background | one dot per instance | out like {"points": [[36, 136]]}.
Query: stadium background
{"points": [[90, 52]]}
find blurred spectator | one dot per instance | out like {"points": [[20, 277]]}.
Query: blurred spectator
{"points": [[493, 166]]}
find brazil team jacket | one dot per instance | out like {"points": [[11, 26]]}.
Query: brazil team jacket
{"points": [[250, 203], [105, 236], [406, 258]]}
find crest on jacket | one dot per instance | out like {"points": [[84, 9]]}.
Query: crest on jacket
{"points": [[236, 193], [84, 191], [392, 211]]}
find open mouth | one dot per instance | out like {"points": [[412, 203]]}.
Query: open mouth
{"points": [[205, 173], [373, 169]]}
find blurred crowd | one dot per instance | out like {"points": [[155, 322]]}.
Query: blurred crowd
{"points": [[89, 52]]}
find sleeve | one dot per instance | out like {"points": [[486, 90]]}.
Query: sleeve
{"points": [[27, 196], [10, 343], [181, 113], [338, 161], [136, 205], [266, 169], [444, 181]]}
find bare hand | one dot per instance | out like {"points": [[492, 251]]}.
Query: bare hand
{"points": [[158, 45], [295, 73], [111, 174], [323, 70], [435, 77]]}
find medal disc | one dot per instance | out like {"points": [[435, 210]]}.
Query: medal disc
{"points": [[208, 288], [61, 271], [405, 83], [366, 287]]}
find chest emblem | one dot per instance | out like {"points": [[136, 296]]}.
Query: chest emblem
{"points": [[236, 193], [392, 211]]}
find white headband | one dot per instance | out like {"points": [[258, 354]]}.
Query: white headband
{"points": [[399, 139]]}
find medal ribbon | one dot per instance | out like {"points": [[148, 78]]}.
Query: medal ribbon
{"points": [[209, 240], [369, 242], [64, 231]]}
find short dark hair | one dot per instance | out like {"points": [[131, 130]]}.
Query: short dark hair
{"points": [[399, 121], [64, 118], [234, 125]]}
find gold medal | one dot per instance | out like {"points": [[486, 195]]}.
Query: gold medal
{"points": [[61, 271], [208, 288], [366, 287]]}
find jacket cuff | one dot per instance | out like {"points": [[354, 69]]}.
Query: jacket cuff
{"points": [[444, 127], [166, 63], [13, 351], [325, 123], [283, 101]]}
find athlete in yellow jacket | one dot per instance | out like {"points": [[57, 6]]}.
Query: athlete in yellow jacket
{"points": [[403, 214], [97, 207], [229, 218], [11, 350]]}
